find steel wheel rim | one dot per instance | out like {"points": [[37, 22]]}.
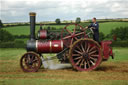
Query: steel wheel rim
{"points": [[76, 58], [30, 62]]}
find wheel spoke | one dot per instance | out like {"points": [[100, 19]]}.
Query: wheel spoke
{"points": [[78, 52], [81, 62], [78, 62], [85, 65], [76, 38], [82, 47], [93, 58], [34, 61], [77, 58], [25, 61], [88, 64], [91, 49], [79, 48], [76, 55], [92, 52], [67, 37], [92, 62], [95, 55], [68, 31], [88, 47], [28, 58], [71, 41], [32, 57], [80, 33]]}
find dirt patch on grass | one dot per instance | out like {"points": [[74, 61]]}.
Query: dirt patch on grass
{"points": [[113, 67], [106, 71]]}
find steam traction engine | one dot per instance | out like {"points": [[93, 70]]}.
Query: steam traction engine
{"points": [[73, 45]]}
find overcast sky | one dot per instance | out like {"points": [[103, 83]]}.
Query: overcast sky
{"points": [[49, 10]]}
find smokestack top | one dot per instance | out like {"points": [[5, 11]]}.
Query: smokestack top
{"points": [[32, 14]]}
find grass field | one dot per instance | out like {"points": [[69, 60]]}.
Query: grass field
{"points": [[112, 72], [108, 26], [104, 27], [25, 30]]}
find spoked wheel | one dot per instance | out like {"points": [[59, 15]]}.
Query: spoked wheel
{"points": [[85, 55], [30, 62], [70, 34]]}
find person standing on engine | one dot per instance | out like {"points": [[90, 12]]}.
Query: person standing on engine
{"points": [[95, 27]]}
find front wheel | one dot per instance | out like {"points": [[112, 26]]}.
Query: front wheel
{"points": [[30, 62], [85, 55]]}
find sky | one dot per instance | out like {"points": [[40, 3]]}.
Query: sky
{"points": [[49, 10]]}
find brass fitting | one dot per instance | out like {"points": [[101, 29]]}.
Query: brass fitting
{"points": [[32, 14]]}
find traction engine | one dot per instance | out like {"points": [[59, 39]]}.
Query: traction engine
{"points": [[73, 45]]}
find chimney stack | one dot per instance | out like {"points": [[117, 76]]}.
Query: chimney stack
{"points": [[32, 25]]}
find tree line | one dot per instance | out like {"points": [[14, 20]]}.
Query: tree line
{"points": [[58, 21], [78, 20]]}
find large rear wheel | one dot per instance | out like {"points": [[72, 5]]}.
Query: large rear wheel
{"points": [[85, 55]]}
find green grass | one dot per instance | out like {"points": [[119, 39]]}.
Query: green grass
{"points": [[108, 26], [121, 54], [25, 30], [39, 81], [111, 72], [10, 53], [104, 27]]}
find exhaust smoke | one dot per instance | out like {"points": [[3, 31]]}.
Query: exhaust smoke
{"points": [[51, 64]]}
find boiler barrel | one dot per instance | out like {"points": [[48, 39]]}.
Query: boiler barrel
{"points": [[54, 46]]}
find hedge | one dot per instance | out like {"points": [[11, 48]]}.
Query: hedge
{"points": [[120, 44], [14, 44]]}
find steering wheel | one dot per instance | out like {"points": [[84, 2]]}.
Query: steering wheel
{"points": [[70, 37]]}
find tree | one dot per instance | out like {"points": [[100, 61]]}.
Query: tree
{"points": [[1, 24], [57, 21], [78, 20], [101, 36], [5, 36], [120, 32]]}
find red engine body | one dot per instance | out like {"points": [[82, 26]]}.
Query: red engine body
{"points": [[42, 34], [107, 50], [54, 46]]}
